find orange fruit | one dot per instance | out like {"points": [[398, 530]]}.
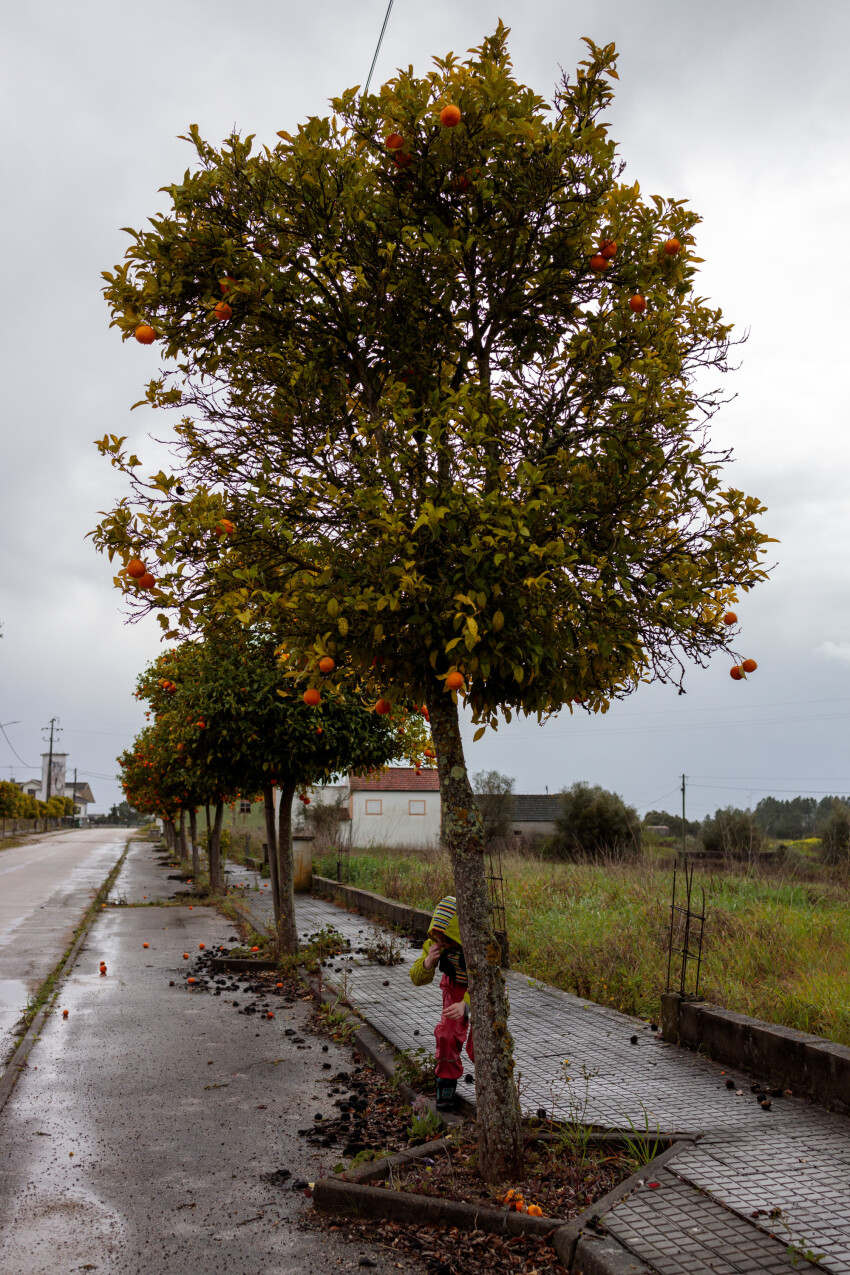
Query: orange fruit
{"points": [[102, 970], [278, 984], [534, 1210], [735, 673], [454, 681], [730, 618], [226, 283], [608, 249], [394, 142], [136, 568], [145, 945], [255, 949], [598, 262], [401, 159], [223, 311], [190, 980], [749, 666], [64, 1013], [637, 304], [460, 183], [146, 581], [224, 528], [270, 1014], [312, 697], [202, 725], [383, 707], [201, 947], [450, 116], [326, 664], [672, 246], [185, 956], [145, 334]]}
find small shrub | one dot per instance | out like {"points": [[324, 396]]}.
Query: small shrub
{"points": [[835, 833], [595, 825]]}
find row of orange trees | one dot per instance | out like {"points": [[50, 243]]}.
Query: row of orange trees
{"points": [[225, 722], [428, 438]]}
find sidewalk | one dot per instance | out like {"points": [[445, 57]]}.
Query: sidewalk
{"points": [[791, 1164]]}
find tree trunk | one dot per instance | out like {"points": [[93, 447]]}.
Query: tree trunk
{"points": [[209, 833], [184, 849], [193, 837], [215, 849], [271, 838], [286, 926], [168, 829], [498, 1116]]}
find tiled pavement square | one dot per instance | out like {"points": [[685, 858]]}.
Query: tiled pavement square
{"points": [[795, 1157]]}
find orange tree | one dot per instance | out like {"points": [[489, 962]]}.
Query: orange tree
{"points": [[152, 778], [444, 382], [238, 727]]}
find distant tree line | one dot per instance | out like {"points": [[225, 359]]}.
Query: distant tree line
{"points": [[594, 823]]}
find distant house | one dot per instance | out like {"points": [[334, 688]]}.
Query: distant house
{"points": [[535, 815], [398, 808], [60, 786]]}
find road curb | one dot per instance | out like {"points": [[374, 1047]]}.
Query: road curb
{"points": [[18, 1061]]}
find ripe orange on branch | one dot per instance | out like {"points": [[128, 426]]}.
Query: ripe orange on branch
{"points": [[383, 707], [735, 673], [672, 246], [454, 681], [730, 618], [326, 664], [223, 311], [749, 666], [136, 568], [637, 304], [312, 697], [598, 262], [394, 142], [450, 116], [145, 334], [146, 581], [608, 249]]}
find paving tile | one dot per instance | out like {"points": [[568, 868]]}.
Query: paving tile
{"points": [[796, 1157]]}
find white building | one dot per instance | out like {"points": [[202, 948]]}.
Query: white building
{"points": [[398, 808], [59, 786]]}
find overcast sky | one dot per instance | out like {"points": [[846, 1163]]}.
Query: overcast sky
{"points": [[743, 109]]}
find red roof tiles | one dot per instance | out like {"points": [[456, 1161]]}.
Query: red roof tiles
{"points": [[398, 779]]}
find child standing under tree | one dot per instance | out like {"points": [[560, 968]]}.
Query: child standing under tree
{"points": [[443, 948]]}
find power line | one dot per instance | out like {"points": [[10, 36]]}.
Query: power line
{"points": [[25, 764], [378, 47], [800, 792]]}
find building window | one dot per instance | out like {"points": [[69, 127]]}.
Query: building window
{"points": [[244, 807], [416, 807], [374, 806]]}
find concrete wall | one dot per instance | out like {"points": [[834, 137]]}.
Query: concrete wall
{"points": [[781, 1056], [395, 825]]}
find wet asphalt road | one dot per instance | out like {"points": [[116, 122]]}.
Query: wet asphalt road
{"points": [[45, 886], [138, 1138]]}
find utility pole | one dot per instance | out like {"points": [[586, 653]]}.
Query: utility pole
{"points": [[683, 820], [54, 721], [74, 798]]}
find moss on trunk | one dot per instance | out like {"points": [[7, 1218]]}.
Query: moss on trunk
{"points": [[498, 1114]]}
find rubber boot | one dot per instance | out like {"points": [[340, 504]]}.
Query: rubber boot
{"points": [[446, 1090]]}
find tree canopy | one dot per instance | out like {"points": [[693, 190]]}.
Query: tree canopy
{"points": [[444, 382]]}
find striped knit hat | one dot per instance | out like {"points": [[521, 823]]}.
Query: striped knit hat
{"points": [[444, 914]]}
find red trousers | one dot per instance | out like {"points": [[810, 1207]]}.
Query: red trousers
{"points": [[451, 1033]]}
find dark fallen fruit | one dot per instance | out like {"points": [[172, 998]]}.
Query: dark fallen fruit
{"points": [[730, 1084], [416, 1031], [765, 1104], [470, 1080], [541, 1113], [324, 1051], [633, 1040], [653, 1027], [300, 1184]]}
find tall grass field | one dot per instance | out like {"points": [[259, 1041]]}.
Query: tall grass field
{"points": [[773, 948]]}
